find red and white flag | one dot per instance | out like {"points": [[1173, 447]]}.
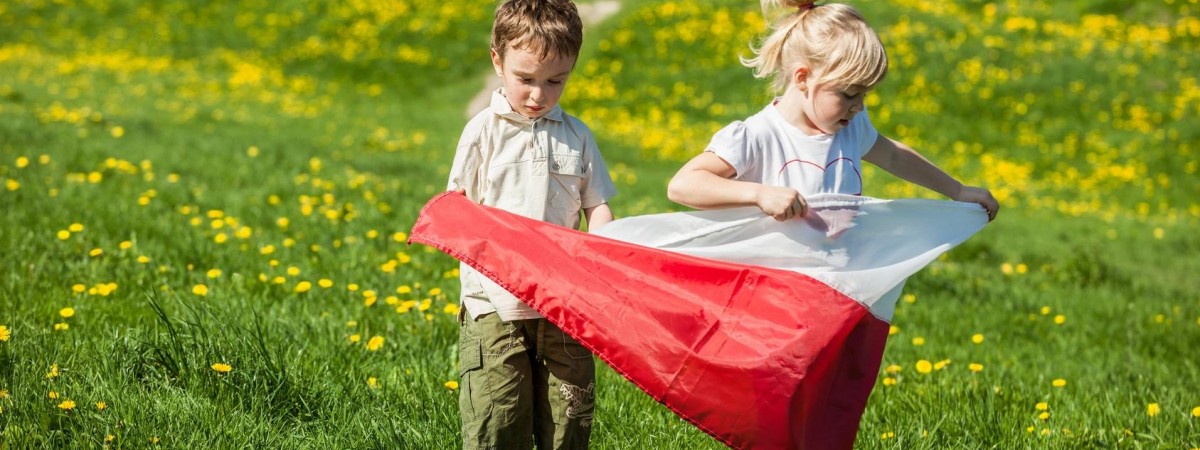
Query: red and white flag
{"points": [[764, 334]]}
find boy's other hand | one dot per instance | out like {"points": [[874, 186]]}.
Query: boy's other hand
{"points": [[782, 203]]}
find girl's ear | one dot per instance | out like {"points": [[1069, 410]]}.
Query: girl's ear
{"points": [[800, 77]]}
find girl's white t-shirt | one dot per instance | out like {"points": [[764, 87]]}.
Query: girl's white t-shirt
{"points": [[767, 149]]}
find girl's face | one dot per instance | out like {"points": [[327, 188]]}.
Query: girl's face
{"points": [[829, 107], [532, 85]]}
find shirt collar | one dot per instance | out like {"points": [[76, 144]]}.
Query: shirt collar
{"points": [[501, 108]]}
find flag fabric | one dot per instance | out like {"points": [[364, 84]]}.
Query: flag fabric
{"points": [[763, 334]]}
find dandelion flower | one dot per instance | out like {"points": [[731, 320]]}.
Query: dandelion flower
{"points": [[375, 343], [1041, 406], [1044, 415], [62, 326], [303, 286], [372, 382], [435, 292], [1152, 409], [5, 333], [1059, 382], [325, 283], [101, 406], [451, 385], [889, 381], [66, 405], [1196, 411], [977, 338], [1060, 319], [354, 338], [918, 341], [893, 330], [200, 290], [924, 366], [400, 236], [221, 367], [78, 288], [66, 312], [214, 273], [975, 367], [75, 227]]}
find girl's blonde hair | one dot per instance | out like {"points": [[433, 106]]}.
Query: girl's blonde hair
{"points": [[832, 40]]}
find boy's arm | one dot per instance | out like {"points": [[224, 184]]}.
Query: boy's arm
{"points": [[705, 182], [598, 216], [904, 162]]}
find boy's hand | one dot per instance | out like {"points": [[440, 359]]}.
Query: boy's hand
{"points": [[780, 202], [972, 194]]}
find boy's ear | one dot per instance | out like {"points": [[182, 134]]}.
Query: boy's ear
{"points": [[497, 63]]}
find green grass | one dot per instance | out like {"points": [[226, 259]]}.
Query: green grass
{"points": [[159, 137]]}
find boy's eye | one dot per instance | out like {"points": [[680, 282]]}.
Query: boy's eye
{"points": [[527, 80], [556, 82]]}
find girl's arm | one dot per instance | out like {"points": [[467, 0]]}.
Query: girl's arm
{"points": [[705, 183], [904, 162]]}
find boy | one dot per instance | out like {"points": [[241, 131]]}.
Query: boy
{"points": [[524, 381]]}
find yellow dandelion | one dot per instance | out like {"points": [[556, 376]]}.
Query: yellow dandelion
{"points": [[293, 271], [303, 286], [375, 343], [1196, 411], [200, 290], [1045, 310], [252, 151], [435, 292], [893, 330], [22, 162], [889, 381], [75, 227], [214, 273], [61, 326], [1044, 415], [893, 368], [221, 367], [66, 312], [977, 338], [96, 252], [1059, 382], [53, 373], [451, 385], [888, 435], [1042, 406], [12, 185], [924, 366], [5, 333], [117, 131], [373, 382], [53, 395], [941, 364], [354, 338], [451, 309], [66, 405], [352, 287], [1152, 409], [325, 283], [63, 235], [400, 236], [125, 245], [975, 367], [78, 288], [101, 406], [918, 341], [1060, 319], [910, 298]]}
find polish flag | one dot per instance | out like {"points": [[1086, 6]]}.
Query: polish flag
{"points": [[764, 334]]}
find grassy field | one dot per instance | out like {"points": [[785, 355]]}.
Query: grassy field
{"points": [[202, 218]]}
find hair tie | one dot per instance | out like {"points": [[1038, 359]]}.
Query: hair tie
{"points": [[806, 6]]}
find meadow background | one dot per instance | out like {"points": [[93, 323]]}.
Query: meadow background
{"points": [[204, 208]]}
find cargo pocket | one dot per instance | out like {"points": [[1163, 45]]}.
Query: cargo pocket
{"points": [[472, 386]]}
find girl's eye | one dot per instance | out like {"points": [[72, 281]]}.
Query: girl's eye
{"points": [[527, 81], [556, 82]]}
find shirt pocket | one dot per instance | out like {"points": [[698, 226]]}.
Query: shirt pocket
{"points": [[566, 172]]}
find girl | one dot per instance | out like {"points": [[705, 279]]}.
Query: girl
{"points": [[813, 138]]}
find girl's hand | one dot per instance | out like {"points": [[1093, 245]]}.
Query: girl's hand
{"points": [[780, 202], [981, 196]]}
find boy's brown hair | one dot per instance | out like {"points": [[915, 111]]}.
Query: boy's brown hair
{"points": [[546, 27]]}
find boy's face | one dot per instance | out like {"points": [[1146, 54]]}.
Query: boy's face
{"points": [[532, 85]]}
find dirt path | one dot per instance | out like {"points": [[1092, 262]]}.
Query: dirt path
{"points": [[592, 13]]}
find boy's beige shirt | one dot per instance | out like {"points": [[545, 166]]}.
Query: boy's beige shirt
{"points": [[547, 169]]}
